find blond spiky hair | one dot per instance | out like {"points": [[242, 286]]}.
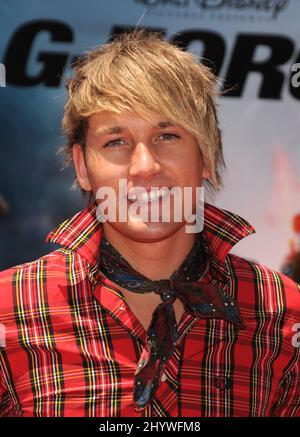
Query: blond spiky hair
{"points": [[141, 72]]}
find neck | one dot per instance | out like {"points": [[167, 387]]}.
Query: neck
{"points": [[155, 260]]}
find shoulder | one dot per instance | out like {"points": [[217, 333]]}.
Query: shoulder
{"points": [[266, 284], [55, 260], [244, 268], [46, 274]]}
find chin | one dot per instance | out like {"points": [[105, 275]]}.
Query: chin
{"points": [[147, 232]]}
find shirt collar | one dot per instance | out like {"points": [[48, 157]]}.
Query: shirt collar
{"points": [[222, 230]]}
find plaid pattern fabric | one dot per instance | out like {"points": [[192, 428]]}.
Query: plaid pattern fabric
{"points": [[72, 342]]}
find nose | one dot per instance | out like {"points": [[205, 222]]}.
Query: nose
{"points": [[143, 162]]}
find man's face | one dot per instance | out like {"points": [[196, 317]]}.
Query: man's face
{"points": [[145, 154]]}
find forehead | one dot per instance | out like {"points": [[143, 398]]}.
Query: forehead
{"points": [[106, 122]]}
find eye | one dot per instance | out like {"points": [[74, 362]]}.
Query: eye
{"points": [[114, 143], [168, 136]]}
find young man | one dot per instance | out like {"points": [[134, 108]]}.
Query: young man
{"points": [[144, 317]]}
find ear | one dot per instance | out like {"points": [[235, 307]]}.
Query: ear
{"points": [[81, 168], [206, 173]]}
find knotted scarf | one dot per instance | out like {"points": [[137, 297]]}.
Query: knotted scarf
{"points": [[200, 299]]}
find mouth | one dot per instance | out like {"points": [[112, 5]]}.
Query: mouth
{"points": [[148, 196]]}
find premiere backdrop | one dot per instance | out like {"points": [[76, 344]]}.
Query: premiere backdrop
{"points": [[252, 45]]}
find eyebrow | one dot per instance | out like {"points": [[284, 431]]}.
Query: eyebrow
{"points": [[119, 129]]}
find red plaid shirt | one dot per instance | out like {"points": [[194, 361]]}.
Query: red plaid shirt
{"points": [[72, 343]]}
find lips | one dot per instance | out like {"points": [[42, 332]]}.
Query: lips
{"points": [[143, 195]]}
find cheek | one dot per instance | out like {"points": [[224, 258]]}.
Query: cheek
{"points": [[190, 167], [196, 162], [103, 172]]}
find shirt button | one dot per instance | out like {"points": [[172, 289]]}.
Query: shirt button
{"points": [[163, 377]]}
